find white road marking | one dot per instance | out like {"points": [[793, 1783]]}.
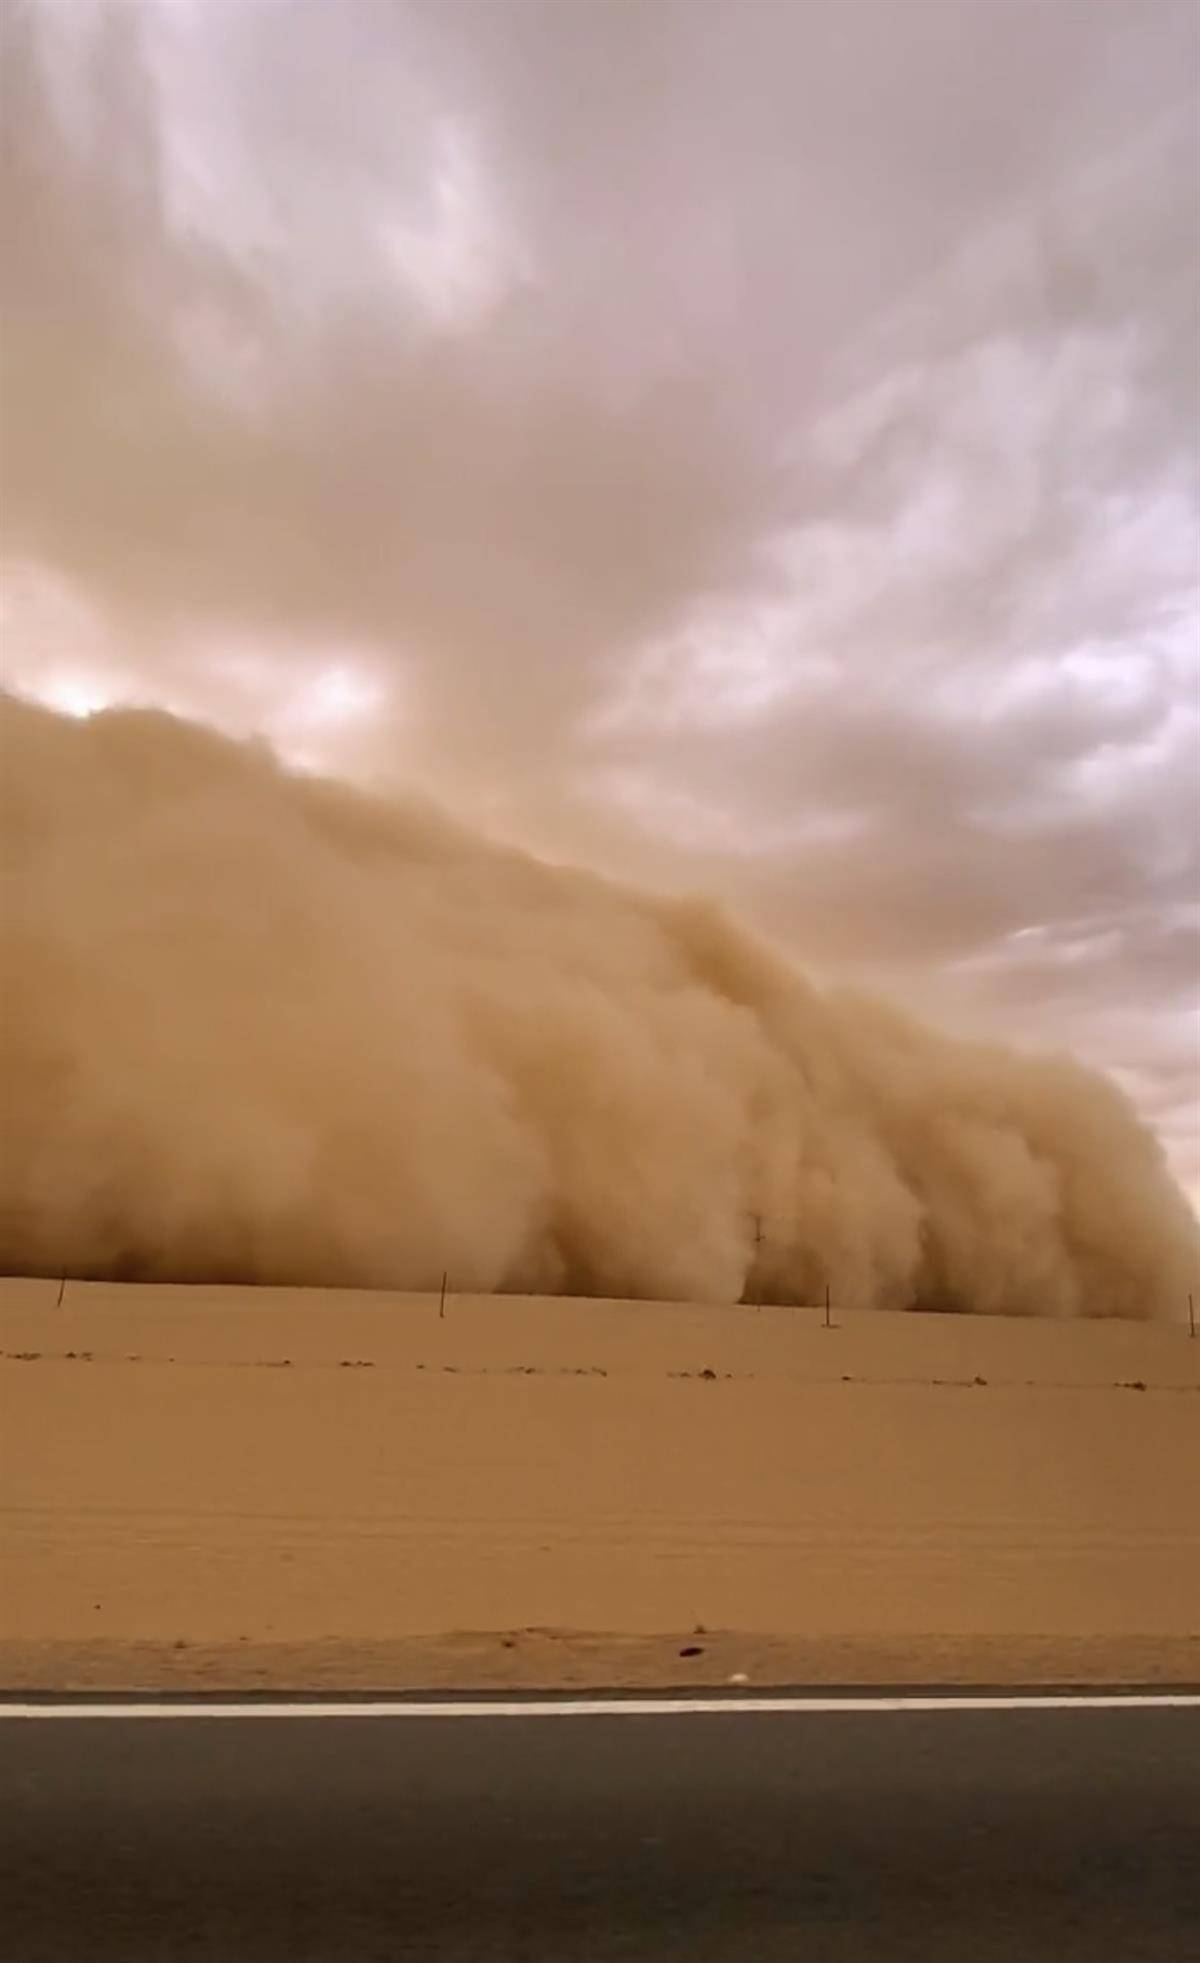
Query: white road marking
{"points": [[622, 1707]]}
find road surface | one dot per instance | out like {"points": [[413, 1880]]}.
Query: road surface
{"points": [[871, 1833]]}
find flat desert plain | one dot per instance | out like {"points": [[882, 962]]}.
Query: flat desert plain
{"points": [[206, 1486]]}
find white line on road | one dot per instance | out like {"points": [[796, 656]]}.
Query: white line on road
{"points": [[615, 1707]]}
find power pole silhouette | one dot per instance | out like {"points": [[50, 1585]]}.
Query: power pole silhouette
{"points": [[759, 1237]]}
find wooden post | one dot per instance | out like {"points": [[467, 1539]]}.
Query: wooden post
{"points": [[1191, 1317], [63, 1285], [828, 1324], [442, 1302]]}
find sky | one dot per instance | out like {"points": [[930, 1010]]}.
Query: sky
{"points": [[749, 449]]}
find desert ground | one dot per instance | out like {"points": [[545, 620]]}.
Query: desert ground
{"points": [[247, 1487]]}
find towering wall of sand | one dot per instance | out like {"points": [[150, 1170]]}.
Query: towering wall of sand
{"points": [[261, 1027]]}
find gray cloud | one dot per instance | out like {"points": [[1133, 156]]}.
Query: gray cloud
{"points": [[753, 447]]}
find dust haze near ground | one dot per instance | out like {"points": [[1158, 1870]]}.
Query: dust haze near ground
{"points": [[263, 1027]]}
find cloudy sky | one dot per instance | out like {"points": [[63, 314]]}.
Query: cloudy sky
{"points": [[739, 446]]}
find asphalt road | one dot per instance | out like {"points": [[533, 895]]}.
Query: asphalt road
{"points": [[1067, 1835]]}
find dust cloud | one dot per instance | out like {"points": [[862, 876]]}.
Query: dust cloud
{"points": [[264, 1027]]}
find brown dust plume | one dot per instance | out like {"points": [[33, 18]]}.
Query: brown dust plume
{"points": [[262, 1027]]}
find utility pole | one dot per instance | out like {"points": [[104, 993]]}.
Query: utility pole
{"points": [[758, 1241]]}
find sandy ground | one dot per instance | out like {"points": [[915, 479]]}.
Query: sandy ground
{"points": [[204, 1486]]}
